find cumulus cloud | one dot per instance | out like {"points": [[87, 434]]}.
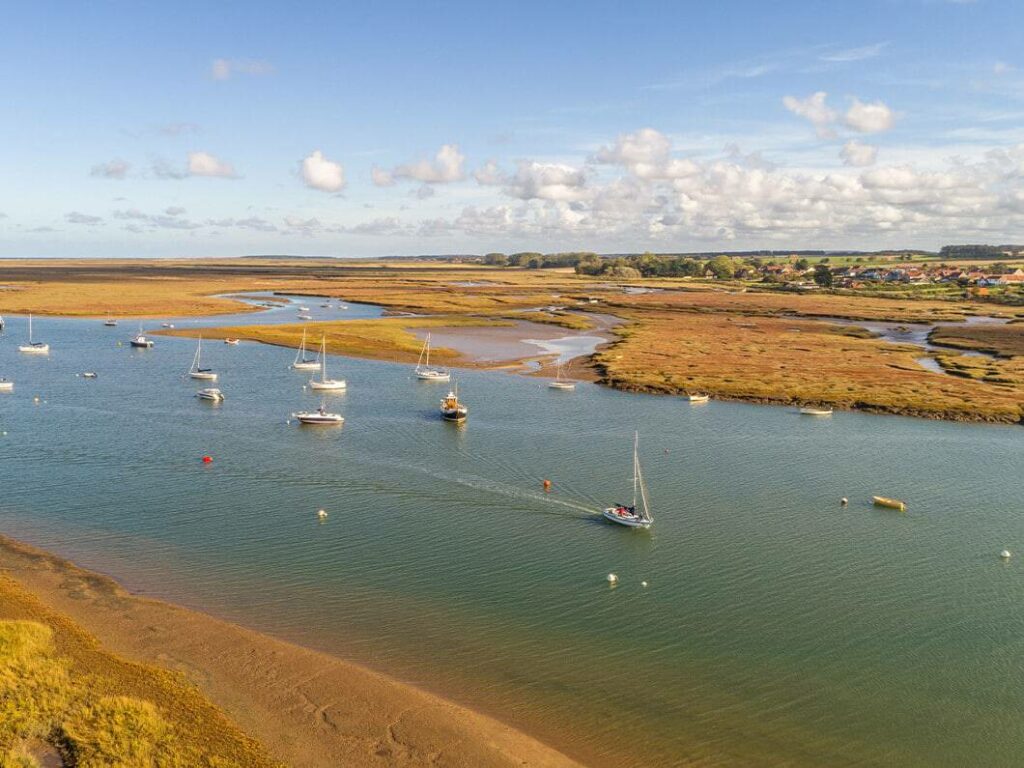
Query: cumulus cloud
{"points": [[646, 154], [445, 167], [489, 174], [815, 111], [874, 117], [114, 169], [858, 155], [81, 218], [320, 173], [546, 181], [225, 69], [205, 164]]}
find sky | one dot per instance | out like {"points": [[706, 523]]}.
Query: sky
{"points": [[365, 129]]}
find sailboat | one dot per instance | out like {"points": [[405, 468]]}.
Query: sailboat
{"points": [[6, 385], [324, 382], [301, 362], [1, 323], [633, 516], [559, 382], [110, 322], [34, 347], [452, 409], [423, 370], [321, 417], [196, 371]]}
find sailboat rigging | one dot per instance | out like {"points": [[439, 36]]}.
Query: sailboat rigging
{"points": [[34, 347], [423, 370], [323, 383], [637, 515], [197, 371], [302, 363]]}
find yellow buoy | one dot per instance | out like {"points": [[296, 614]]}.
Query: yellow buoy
{"points": [[882, 501]]}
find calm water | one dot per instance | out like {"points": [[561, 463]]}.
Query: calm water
{"points": [[777, 627]]}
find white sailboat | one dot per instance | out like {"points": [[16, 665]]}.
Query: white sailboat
{"points": [[324, 383], [110, 322], [197, 371], [559, 382], [302, 363], [34, 347], [6, 385], [423, 370], [321, 417], [633, 516]]}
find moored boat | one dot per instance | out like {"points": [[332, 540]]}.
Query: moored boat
{"points": [[452, 409], [320, 417], [231, 341], [212, 394], [6, 385], [323, 383], [559, 383], [698, 398], [423, 370], [301, 362], [197, 371], [110, 322], [34, 347], [883, 501], [638, 514], [810, 410]]}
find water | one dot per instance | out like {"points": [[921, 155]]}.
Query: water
{"points": [[777, 628]]}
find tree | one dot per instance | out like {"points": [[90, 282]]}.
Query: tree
{"points": [[496, 259], [802, 265], [622, 271], [589, 264], [722, 267], [823, 276]]}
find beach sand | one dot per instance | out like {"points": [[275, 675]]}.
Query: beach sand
{"points": [[306, 707]]}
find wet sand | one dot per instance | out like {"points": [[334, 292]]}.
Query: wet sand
{"points": [[306, 707]]}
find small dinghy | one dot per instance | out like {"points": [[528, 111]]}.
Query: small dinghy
{"points": [[304, 316], [212, 394], [321, 417], [110, 322], [810, 410], [882, 501], [698, 398], [6, 385], [636, 515], [89, 375], [232, 342]]}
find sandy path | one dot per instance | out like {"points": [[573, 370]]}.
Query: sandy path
{"points": [[308, 708]]}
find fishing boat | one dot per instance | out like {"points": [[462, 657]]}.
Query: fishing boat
{"points": [[320, 417], [110, 322], [323, 383], [212, 394], [423, 370], [141, 341], [301, 362], [882, 501], [197, 371], [810, 410], [34, 347], [452, 409], [698, 398], [230, 341], [6, 386], [633, 516], [560, 383]]}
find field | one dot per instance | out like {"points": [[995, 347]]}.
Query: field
{"points": [[732, 340], [65, 700]]}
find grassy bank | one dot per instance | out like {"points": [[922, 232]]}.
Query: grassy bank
{"points": [[62, 695]]}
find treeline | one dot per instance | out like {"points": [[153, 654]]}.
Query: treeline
{"points": [[534, 260], [954, 252]]}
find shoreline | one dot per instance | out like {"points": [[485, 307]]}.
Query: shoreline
{"points": [[284, 695]]}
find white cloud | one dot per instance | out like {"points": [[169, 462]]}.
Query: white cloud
{"points": [[489, 174], [205, 164], [225, 69], [174, 210], [869, 118], [81, 218], [138, 221], [858, 155], [114, 169], [320, 173], [444, 168], [381, 177], [814, 110], [546, 181], [647, 154]]}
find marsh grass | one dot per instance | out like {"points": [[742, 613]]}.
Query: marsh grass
{"points": [[60, 691]]}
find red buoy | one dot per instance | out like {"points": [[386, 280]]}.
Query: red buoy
{"points": [[207, 459], [547, 485]]}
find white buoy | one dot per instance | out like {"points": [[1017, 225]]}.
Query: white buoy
{"points": [[612, 578], [844, 501], [1006, 554], [322, 514], [643, 583]]}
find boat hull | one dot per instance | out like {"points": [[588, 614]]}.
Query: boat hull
{"points": [[433, 376], [6, 386], [33, 349], [698, 398], [203, 376], [328, 386], [815, 411], [215, 396], [320, 420], [882, 501], [306, 366], [564, 386], [454, 414], [630, 521]]}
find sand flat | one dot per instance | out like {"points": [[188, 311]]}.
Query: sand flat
{"points": [[308, 708]]}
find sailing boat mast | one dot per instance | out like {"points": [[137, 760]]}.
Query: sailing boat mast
{"points": [[638, 481]]}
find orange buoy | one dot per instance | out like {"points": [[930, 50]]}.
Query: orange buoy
{"points": [[207, 459], [547, 485]]}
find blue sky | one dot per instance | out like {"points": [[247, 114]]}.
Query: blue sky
{"points": [[195, 129]]}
